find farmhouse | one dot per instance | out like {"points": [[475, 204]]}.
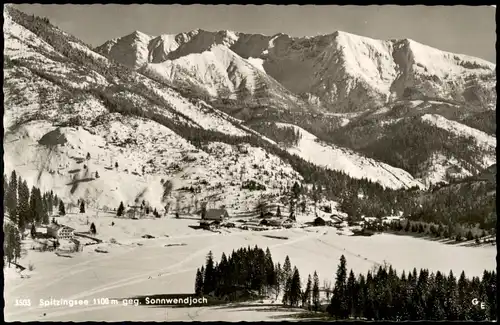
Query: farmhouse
{"points": [[216, 214], [135, 212], [60, 231], [130, 213]]}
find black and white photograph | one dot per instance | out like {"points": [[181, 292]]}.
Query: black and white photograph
{"points": [[249, 163]]}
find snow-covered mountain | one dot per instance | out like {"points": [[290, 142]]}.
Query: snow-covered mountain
{"points": [[340, 72], [199, 60]]}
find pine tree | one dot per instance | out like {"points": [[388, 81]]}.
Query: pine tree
{"points": [[93, 229], [451, 300], [23, 204], [203, 210], [489, 285], [360, 296], [36, 206], [369, 310], [82, 207], [208, 281], [287, 269], [279, 279], [339, 307], [5, 191], [33, 230], [307, 296], [50, 201], [198, 286], [271, 277], [62, 210], [315, 292], [120, 210], [44, 209], [17, 245], [55, 201], [351, 294], [315, 197], [287, 291], [464, 308], [295, 288], [436, 299], [9, 242], [11, 195]]}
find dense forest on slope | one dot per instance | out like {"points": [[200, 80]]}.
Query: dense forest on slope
{"points": [[286, 136], [485, 121]]}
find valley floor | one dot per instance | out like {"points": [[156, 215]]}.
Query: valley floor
{"points": [[138, 266]]}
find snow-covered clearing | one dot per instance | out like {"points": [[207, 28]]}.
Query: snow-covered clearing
{"points": [[355, 165], [151, 268], [440, 167]]}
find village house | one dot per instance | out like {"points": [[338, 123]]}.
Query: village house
{"points": [[133, 212], [130, 213], [216, 214], [60, 231]]}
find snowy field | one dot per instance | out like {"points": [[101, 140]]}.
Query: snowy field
{"points": [[137, 266]]}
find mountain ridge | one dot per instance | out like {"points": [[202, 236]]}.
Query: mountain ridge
{"points": [[340, 69]]}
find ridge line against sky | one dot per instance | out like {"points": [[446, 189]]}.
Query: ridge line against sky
{"points": [[469, 30]]}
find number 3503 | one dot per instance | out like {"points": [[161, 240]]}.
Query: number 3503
{"points": [[23, 302]]}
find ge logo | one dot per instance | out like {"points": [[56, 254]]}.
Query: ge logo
{"points": [[481, 304]]}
